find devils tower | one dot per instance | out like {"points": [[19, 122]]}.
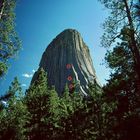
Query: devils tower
{"points": [[67, 60]]}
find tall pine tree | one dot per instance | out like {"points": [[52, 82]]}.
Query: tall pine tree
{"points": [[14, 117], [9, 41]]}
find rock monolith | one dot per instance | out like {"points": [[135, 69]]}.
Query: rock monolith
{"points": [[67, 61]]}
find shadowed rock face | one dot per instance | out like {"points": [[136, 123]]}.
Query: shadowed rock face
{"points": [[67, 59]]}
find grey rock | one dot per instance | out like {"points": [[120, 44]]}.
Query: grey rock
{"points": [[67, 59]]}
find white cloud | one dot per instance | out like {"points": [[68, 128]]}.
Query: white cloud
{"points": [[33, 71], [4, 102], [26, 75], [23, 85]]}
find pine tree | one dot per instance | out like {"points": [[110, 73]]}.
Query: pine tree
{"points": [[122, 85], [122, 29], [53, 103], [66, 103], [53, 115], [9, 41], [37, 97], [14, 116], [123, 15], [122, 82]]}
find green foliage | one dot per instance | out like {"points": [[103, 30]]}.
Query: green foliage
{"points": [[14, 115], [66, 103], [122, 25], [111, 113], [41, 114], [88, 118], [122, 80], [99, 119], [53, 104], [122, 33], [36, 99], [15, 88], [118, 19], [3, 68], [9, 41]]}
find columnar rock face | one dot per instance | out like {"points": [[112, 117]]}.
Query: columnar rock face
{"points": [[67, 61]]}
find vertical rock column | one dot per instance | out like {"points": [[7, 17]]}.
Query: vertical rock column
{"points": [[67, 59]]}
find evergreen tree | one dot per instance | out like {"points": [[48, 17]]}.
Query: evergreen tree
{"points": [[52, 118], [66, 103], [14, 116], [122, 15], [122, 86], [9, 41], [37, 97], [43, 105], [53, 103], [122, 82], [99, 121], [90, 118], [122, 28]]}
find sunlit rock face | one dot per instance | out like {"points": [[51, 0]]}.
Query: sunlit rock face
{"points": [[67, 60]]}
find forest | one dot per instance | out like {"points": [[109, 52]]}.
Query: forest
{"points": [[111, 112]]}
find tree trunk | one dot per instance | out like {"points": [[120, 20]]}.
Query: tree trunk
{"points": [[2, 5], [133, 43]]}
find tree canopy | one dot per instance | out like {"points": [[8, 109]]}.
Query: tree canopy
{"points": [[9, 41], [123, 21], [107, 113]]}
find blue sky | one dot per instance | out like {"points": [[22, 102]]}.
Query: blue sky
{"points": [[38, 22]]}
